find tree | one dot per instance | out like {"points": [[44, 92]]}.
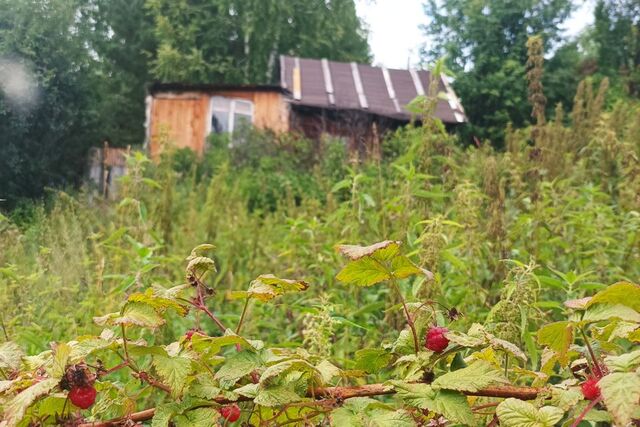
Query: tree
{"points": [[236, 41], [120, 35], [47, 114], [617, 37], [484, 43]]}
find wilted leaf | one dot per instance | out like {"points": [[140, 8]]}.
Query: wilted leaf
{"points": [[465, 340], [517, 413], [155, 299], [16, 408], [577, 304], [267, 286], [201, 265], [133, 314], [277, 395], [382, 251], [10, 356], [61, 354]]}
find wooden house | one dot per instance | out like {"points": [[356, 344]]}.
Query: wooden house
{"points": [[314, 97]]}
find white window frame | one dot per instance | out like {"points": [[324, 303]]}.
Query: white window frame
{"points": [[231, 112]]}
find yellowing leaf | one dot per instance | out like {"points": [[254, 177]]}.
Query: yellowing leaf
{"points": [[16, 408], [154, 298], [557, 336], [599, 312], [173, 371], [382, 250], [624, 293], [199, 266], [402, 267], [621, 394], [267, 286], [517, 413], [133, 314]]}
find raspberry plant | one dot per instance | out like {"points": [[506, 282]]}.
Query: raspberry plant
{"points": [[589, 369]]}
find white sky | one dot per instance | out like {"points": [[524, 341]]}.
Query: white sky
{"points": [[395, 36]]}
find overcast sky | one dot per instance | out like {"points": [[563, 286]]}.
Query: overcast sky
{"points": [[395, 36]]}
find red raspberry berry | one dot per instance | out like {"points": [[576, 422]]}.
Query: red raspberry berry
{"points": [[83, 397], [189, 334], [590, 389], [435, 339], [230, 413]]}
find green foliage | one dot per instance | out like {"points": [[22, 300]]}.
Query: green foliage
{"points": [[239, 41]]}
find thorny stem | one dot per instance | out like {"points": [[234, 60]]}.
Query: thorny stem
{"points": [[596, 365], [342, 393], [412, 326], [244, 312], [585, 411]]}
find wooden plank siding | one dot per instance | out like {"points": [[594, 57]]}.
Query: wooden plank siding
{"points": [[183, 119]]}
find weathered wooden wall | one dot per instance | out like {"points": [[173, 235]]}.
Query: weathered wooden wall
{"points": [[183, 119]]}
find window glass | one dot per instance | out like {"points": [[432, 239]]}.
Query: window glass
{"points": [[230, 114]]}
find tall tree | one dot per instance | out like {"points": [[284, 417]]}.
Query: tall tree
{"points": [[47, 94], [617, 37], [120, 35], [484, 43], [239, 40]]}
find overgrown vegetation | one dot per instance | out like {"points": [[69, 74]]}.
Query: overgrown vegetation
{"points": [[511, 241]]}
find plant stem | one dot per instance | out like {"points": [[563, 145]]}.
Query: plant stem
{"points": [[596, 365], [342, 393], [412, 326], [124, 343], [585, 411], [244, 311]]}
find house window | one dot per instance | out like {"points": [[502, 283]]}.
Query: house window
{"points": [[229, 114]]}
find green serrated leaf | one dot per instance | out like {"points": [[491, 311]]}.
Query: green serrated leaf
{"points": [[623, 363], [363, 272], [173, 371], [277, 395], [465, 340], [558, 337], [517, 413], [283, 368], [451, 404], [199, 417], [372, 360], [621, 394], [204, 387], [402, 267], [474, 377], [236, 367]]}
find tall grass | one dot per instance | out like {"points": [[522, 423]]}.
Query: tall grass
{"points": [[565, 209]]}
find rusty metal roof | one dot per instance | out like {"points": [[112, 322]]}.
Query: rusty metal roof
{"points": [[350, 86]]}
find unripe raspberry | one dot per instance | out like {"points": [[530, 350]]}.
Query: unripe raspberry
{"points": [[590, 389]]}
